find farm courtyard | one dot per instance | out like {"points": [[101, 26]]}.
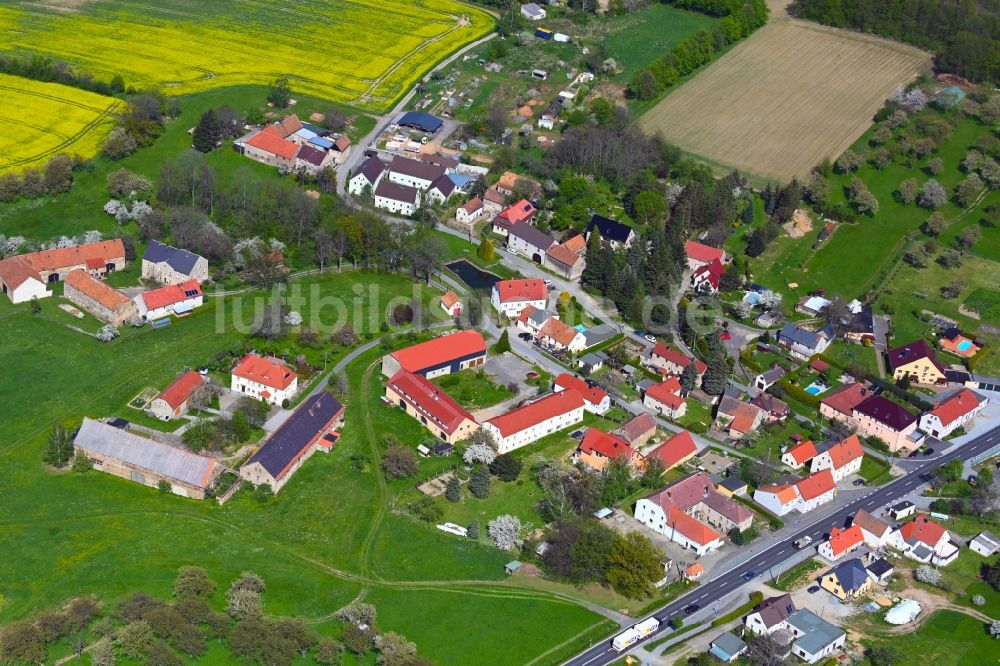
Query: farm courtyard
{"points": [[365, 52], [779, 103]]}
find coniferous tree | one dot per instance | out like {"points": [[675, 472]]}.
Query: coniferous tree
{"points": [[689, 378], [453, 491], [208, 132], [716, 377], [479, 484]]}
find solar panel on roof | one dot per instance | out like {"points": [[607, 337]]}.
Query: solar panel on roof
{"points": [[191, 292]]}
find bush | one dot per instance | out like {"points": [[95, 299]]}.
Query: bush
{"points": [[507, 467], [399, 462], [427, 509]]}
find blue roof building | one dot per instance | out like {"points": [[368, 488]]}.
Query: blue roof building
{"points": [[727, 648], [424, 122]]}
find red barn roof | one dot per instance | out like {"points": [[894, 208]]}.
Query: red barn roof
{"points": [[532, 289], [270, 140], [704, 253], [181, 389], [440, 350], [679, 447], [429, 400], [537, 412]]}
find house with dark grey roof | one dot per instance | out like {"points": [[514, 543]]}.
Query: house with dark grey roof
{"points": [[441, 189], [529, 242], [613, 232], [803, 343], [727, 648], [142, 460], [368, 175], [171, 265], [768, 616], [847, 580], [311, 428], [311, 159], [814, 638], [768, 378], [396, 198], [414, 173], [423, 122]]}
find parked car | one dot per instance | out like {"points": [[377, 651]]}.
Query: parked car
{"points": [[813, 590], [531, 374], [973, 480], [726, 335], [750, 575], [692, 609], [639, 332], [927, 476], [651, 338], [928, 452], [858, 482], [524, 336], [803, 542]]}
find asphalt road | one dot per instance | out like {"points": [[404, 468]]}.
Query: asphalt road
{"points": [[707, 594]]}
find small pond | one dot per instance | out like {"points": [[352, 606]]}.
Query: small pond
{"points": [[472, 275]]}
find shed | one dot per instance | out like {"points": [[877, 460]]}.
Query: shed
{"points": [[512, 567], [727, 647], [601, 514]]}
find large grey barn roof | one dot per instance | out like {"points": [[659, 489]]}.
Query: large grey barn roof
{"points": [[102, 439], [179, 259], [289, 441]]}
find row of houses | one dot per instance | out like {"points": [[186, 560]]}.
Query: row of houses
{"points": [[797, 631], [295, 146], [401, 185], [920, 539]]}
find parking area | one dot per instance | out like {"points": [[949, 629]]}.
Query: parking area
{"points": [[508, 369]]}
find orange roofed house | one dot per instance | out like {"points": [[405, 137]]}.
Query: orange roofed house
{"points": [[692, 513], [924, 540], [173, 299], [510, 297], [265, 379], [699, 254], [666, 399], [434, 408], [678, 449], [802, 496], [269, 146], [841, 542], [90, 294], [667, 360], [843, 458], [531, 422], [451, 304], [841, 402], [598, 448], [174, 399], [559, 335], [443, 355], [955, 411], [595, 400], [798, 455], [25, 276]]}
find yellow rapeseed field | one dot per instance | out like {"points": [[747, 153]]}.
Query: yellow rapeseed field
{"points": [[39, 120], [361, 52]]}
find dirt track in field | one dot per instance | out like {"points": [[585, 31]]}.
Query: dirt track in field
{"points": [[791, 95]]}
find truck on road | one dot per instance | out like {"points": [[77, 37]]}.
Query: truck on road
{"points": [[647, 627], [624, 640]]}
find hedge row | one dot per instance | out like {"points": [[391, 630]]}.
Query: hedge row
{"points": [[971, 363], [755, 598]]}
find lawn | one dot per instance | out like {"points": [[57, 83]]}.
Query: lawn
{"points": [[328, 536], [946, 639], [697, 417], [796, 576], [473, 389], [382, 48], [874, 471], [50, 118], [844, 354]]}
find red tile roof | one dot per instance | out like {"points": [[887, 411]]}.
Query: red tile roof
{"points": [[494, 195], [671, 355], [17, 269], [846, 398], [440, 350], [744, 417], [712, 272], [472, 205], [171, 294], [667, 392], [95, 289], [955, 406], [641, 424], [922, 529], [181, 389], [802, 452], [845, 451], [784, 492], [449, 298], [522, 211], [431, 401], [869, 523], [604, 444], [537, 412], [816, 484], [692, 529], [289, 125], [592, 394], [559, 331], [679, 447], [701, 252], [819, 365], [271, 141], [843, 540], [264, 371], [532, 289]]}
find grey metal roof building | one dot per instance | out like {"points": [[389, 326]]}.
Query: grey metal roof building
{"points": [[817, 633], [180, 260], [106, 442]]}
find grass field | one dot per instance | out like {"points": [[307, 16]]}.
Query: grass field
{"points": [[364, 52], [783, 100], [43, 119], [946, 639], [328, 537]]}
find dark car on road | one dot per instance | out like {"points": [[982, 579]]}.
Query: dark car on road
{"points": [[692, 609], [927, 476], [928, 452], [750, 575]]}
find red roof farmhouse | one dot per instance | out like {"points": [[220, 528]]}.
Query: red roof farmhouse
{"points": [[90, 294], [598, 448], [535, 420], [676, 450], [955, 411], [24, 276], [443, 355], [595, 400], [173, 401], [266, 379], [434, 408], [509, 297]]}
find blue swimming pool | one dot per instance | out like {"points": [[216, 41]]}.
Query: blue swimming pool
{"points": [[812, 389], [964, 345], [581, 328]]}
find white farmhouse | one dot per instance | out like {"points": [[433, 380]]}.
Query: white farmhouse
{"points": [[264, 379]]}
